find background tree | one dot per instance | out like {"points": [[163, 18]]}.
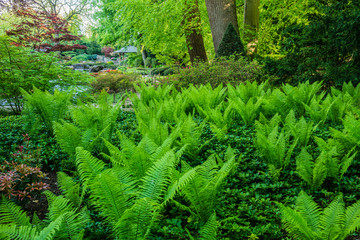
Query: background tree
{"points": [[107, 51], [251, 18], [171, 30], [221, 13], [41, 32]]}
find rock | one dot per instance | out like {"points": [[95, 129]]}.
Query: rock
{"points": [[96, 69]]}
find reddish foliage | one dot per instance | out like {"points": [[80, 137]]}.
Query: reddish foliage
{"points": [[107, 51], [21, 181], [47, 33]]}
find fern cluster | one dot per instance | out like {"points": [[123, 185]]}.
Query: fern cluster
{"points": [[63, 221], [143, 179], [308, 221]]}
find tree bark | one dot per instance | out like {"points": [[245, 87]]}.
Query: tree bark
{"points": [[143, 54], [251, 18], [221, 13], [194, 38]]}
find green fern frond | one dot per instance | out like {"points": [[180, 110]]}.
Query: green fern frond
{"points": [[87, 165], [333, 219], [157, 178], [10, 213], [209, 230], [69, 188], [305, 166], [111, 195]]}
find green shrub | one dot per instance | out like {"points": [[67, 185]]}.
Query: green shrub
{"points": [[221, 71], [138, 62], [230, 44], [148, 62], [114, 82], [80, 58]]}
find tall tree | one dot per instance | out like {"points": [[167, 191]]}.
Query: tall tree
{"points": [[251, 18], [194, 38], [170, 29], [221, 13]]}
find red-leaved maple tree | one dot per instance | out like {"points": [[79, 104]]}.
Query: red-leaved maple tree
{"points": [[42, 32], [107, 51]]}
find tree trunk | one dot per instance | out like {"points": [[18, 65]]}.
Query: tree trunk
{"points": [[143, 54], [194, 38], [221, 13], [251, 18]]}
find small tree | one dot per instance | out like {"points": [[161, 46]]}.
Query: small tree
{"points": [[107, 51], [230, 44], [42, 32], [21, 67]]}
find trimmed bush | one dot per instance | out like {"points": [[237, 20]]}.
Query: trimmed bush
{"points": [[230, 44], [221, 71]]}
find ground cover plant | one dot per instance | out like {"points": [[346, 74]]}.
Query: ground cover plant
{"points": [[231, 162]]}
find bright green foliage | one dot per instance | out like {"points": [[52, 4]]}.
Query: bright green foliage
{"points": [[230, 44], [328, 164], [248, 111], [274, 147], [337, 107], [206, 97], [70, 189], [46, 108], [317, 112], [308, 221], [148, 93], [276, 102], [219, 120], [350, 136], [248, 90], [301, 129], [90, 124], [208, 231], [202, 190], [22, 68], [62, 222], [190, 136], [131, 193], [301, 94]]}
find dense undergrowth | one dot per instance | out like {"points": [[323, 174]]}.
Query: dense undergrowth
{"points": [[250, 150]]}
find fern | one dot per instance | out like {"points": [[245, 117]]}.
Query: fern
{"points": [[202, 190], [209, 230], [11, 213], [70, 189], [62, 222], [248, 90], [274, 147], [206, 97], [301, 129], [276, 102], [248, 111], [328, 164], [308, 221], [131, 194], [91, 124], [220, 120], [48, 108], [302, 94], [350, 136]]}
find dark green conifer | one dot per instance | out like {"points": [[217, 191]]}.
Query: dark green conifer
{"points": [[230, 44]]}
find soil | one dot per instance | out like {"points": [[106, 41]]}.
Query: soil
{"points": [[40, 205]]}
